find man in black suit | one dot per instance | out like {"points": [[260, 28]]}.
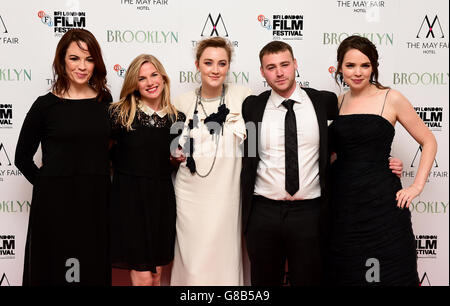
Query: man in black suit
{"points": [[284, 174]]}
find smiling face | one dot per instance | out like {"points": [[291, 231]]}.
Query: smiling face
{"points": [[213, 66], [279, 71], [150, 85], [356, 69], [79, 63]]}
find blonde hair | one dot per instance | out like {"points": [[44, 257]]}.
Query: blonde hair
{"points": [[124, 111]]}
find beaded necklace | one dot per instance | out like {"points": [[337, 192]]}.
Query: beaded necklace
{"points": [[210, 121]]}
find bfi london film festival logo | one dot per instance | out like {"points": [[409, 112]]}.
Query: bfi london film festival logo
{"points": [[63, 21], [6, 116], [7, 246], [426, 246], [215, 26], [5, 37], [120, 71], [7, 168], [432, 116], [332, 71], [430, 36], [144, 5], [283, 27]]}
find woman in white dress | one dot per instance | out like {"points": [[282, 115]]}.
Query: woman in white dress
{"points": [[207, 186]]}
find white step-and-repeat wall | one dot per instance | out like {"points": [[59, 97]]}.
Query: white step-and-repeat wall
{"points": [[411, 37]]}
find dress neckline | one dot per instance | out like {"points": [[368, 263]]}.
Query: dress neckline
{"points": [[373, 115], [72, 100]]}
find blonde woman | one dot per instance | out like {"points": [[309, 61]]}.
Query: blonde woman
{"points": [[143, 200]]}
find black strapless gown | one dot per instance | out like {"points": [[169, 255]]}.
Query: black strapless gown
{"points": [[366, 222]]}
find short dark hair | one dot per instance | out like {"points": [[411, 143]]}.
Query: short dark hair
{"points": [[274, 47]]}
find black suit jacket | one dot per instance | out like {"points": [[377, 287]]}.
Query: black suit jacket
{"points": [[325, 106]]}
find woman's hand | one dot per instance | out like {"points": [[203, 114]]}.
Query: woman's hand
{"points": [[177, 157], [406, 195], [396, 165]]}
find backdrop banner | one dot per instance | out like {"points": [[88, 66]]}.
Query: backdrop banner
{"points": [[412, 38]]}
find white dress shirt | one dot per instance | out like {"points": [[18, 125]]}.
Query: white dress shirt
{"points": [[270, 175]]}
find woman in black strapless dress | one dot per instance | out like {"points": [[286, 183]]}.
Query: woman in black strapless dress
{"points": [[372, 241]]}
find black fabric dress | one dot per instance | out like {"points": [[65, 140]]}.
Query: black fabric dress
{"points": [[366, 220], [68, 229], [143, 198]]}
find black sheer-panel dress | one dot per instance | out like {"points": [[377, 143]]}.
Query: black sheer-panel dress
{"points": [[143, 198], [368, 229], [68, 230]]}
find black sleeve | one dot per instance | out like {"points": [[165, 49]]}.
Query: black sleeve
{"points": [[177, 128], [332, 106], [28, 143]]}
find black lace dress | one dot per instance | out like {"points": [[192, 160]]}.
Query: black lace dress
{"points": [[367, 224], [143, 198]]}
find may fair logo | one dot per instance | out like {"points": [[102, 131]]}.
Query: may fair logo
{"points": [[215, 26], [4, 282], [7, 168], [370, 8], [283, 27], [298, 80], [6, 116], [426, 246], [7, 247], [144, 5], [63, 21], [436, 174], [5, 37], [430, 36], [424, 280]]}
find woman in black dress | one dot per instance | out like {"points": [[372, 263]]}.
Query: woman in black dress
{"points": [[67, 242], [143, 199], [372, 238]]}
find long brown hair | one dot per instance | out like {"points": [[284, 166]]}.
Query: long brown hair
{"points": [[98, 79], [125, 109], [366, 47]]}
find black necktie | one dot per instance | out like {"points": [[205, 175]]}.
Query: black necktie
{"points": [[291, 149]]}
